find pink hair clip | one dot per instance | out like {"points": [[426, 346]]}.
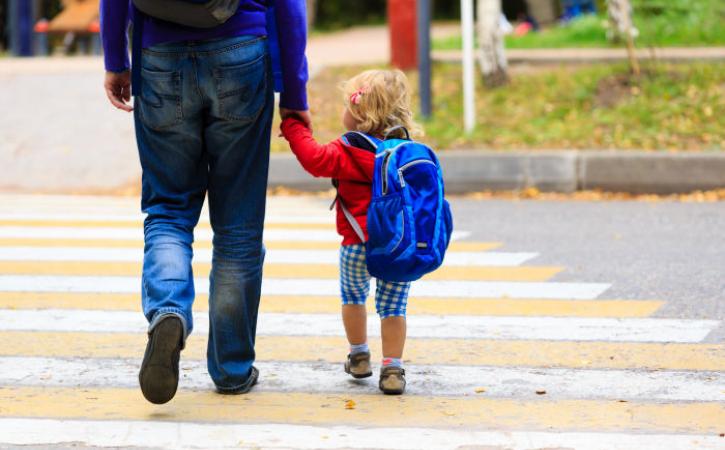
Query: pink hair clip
{"points": [[357, 96]]}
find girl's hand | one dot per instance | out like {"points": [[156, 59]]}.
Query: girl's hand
{"points": [[302, 116]]}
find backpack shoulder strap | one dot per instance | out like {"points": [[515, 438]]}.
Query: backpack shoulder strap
{"points": [[361, 140], [364, 142], [351, 220]]}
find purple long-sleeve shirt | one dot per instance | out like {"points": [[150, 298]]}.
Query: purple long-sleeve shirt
{"points": [[250, 20]]}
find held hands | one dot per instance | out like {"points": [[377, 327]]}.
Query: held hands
{"points": [[302, 116], [118, 89]]}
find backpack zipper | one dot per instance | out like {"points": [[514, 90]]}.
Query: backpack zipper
{"points": [[384, 175], [409, 164]]}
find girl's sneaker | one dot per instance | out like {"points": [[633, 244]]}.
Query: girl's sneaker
{"points": [[392, 380], [358, 365]]}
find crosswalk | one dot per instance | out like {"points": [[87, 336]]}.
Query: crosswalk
{"points": [[499, 354]]}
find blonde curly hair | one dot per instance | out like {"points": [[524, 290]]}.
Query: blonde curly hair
{"points": [[380, 100]]}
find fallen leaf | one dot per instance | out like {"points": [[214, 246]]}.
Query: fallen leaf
{"points": [[540, 392], [349, 404], [480, 390]]}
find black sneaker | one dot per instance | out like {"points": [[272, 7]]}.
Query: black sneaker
{"points": [[245, 388], [159, 375], [392, 380], [358, 365]]}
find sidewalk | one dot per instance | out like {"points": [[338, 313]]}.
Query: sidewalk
{"points": [[360, 45]]}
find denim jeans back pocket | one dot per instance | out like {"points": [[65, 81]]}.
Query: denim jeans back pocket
{"points": [[241, 89], [160, 105]]}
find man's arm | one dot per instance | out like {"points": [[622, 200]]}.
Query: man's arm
{"points": [[114, 28], [292, 32]]}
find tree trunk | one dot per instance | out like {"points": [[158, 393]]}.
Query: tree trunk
{"points": [[492, 57], [311, 12], [622, 27]]}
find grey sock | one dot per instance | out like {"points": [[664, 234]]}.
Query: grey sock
{"points": [[360, 348]]}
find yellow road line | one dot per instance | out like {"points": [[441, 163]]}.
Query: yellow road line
{"points": [[499, 353], [328, 305], [105, 268], [458, 246], [370, 410], [139, 224]]}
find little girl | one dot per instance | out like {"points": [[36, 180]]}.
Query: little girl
{"points": [[376, 101]]}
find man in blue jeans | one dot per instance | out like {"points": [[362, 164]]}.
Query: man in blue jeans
{"points": [[203, 114]]}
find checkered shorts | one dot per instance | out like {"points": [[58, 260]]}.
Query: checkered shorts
{"points": [[391, 298]]}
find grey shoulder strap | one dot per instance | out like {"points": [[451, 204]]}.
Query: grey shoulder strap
{"points": [[352, 221]]}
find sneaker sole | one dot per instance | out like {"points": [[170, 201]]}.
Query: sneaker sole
{"points": [[357, 376], [393, 391], [159, 378]]}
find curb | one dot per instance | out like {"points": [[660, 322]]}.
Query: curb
{"points": [[550, 171], [595, 55]]}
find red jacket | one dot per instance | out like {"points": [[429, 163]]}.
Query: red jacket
{"points": [[350, 160]]}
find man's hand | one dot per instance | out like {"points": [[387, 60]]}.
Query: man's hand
{"points": [[303, 116], [118, 89]]}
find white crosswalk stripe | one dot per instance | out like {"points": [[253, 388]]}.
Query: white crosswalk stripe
{"points": [[201, 234], [135, 219], [319, 377], [273, 256], [184, 435], [424, 288], [461, 327]]}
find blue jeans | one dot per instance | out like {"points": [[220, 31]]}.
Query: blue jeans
{"points": [[203, 126]]}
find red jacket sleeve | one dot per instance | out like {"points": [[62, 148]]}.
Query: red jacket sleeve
{"points": [[329, 160]]}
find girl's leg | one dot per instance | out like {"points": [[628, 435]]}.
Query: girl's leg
{"points": [[354, 317], [391, 299], [393, 331], [355, 287]]}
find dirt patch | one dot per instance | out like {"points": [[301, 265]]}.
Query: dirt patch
{"points": [[615, 89]]}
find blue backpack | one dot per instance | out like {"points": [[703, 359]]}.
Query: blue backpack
{"points": [[409, 220]]}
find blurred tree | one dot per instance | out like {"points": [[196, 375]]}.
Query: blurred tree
{"points": [[622, 27], [3, 23], [446, 9], [311, 11], [332, 14], [492, 57], [50, 8]]}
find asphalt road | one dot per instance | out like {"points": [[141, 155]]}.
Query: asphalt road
{"points": [[665, 250]]}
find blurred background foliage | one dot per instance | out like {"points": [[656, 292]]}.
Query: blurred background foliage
{"points": [[661, 23], [336, 14]]}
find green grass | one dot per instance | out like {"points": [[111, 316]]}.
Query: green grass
{"points": [[675, 23], [675, 107], [672, 107]]}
